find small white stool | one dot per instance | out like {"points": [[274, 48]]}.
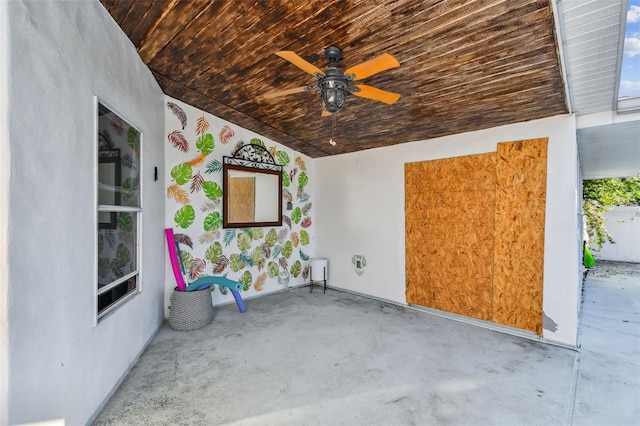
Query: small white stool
{"points": [[318, 272]]}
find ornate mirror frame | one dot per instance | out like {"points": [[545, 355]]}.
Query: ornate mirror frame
{"points": [[255, 163]]}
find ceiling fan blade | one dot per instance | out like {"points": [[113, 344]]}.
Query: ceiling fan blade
{"points": [[370, 92], [279, 93], [374, 66], [325, 113], [299, 62]]}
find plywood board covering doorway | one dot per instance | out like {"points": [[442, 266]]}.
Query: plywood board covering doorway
{"points": [[521, 182], [450, 209], [475, 234]]}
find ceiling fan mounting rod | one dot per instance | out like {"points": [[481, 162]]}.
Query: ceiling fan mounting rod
{"points": [[333, 54]]}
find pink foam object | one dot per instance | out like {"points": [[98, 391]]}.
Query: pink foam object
{"points": [[171, 243]]}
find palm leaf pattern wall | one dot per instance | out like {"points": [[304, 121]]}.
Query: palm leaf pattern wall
{"points": [[259, 258]]}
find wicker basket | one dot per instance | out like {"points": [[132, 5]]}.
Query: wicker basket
{"points": [[190, 310]]}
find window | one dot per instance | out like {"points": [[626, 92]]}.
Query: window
{"points": [[119, 211]]}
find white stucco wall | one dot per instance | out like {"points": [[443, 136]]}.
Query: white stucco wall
{"points": [[4, 216], [360, 210], [61, 54]]}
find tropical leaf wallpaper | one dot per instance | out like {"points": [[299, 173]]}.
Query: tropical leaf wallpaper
{"points": [[262, 259]]}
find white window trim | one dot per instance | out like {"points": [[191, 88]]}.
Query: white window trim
{"points": [[97, 318]]}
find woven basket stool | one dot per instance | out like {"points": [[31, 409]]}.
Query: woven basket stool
{"points": [[190, 310]]}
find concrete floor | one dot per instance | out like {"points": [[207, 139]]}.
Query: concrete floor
{"points": [[608, 377], [338, 359]]}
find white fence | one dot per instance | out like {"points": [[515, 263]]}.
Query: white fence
{"points": [[623, 223]]}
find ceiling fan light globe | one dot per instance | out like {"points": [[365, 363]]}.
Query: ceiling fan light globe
{"points": [[333, 99], [333, 93]]}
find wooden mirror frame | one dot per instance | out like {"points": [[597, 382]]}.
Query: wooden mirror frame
{"points": [[254, 159]]}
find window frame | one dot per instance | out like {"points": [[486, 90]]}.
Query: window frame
{"points": [[137, 273]]}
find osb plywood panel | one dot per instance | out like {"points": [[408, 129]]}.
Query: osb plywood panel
{"points": [[450, 209], [521, 179]]}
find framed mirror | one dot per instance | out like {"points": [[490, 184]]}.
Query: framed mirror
{"points": [[252, 189]]}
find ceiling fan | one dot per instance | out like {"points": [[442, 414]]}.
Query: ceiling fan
{"points": [[335, 84]]}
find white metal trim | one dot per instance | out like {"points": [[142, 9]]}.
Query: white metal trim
{"points": [[623, 29], [96, 123], [117, 282], [628, 105], [563, 66], [139, 224], [115, 208], [110, 208]]}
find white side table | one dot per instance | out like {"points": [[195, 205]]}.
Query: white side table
{"points": [[319, 272]]}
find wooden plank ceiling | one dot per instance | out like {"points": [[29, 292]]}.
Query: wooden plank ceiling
{"points": [[465, 64]]}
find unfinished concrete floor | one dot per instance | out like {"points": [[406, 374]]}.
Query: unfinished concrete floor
{"points": [[339, 359]]}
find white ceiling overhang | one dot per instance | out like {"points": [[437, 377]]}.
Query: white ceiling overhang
{"points": [[610, 150], [591, 36]]}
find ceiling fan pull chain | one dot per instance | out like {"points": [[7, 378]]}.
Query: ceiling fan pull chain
{"points": [[332, 142]]}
